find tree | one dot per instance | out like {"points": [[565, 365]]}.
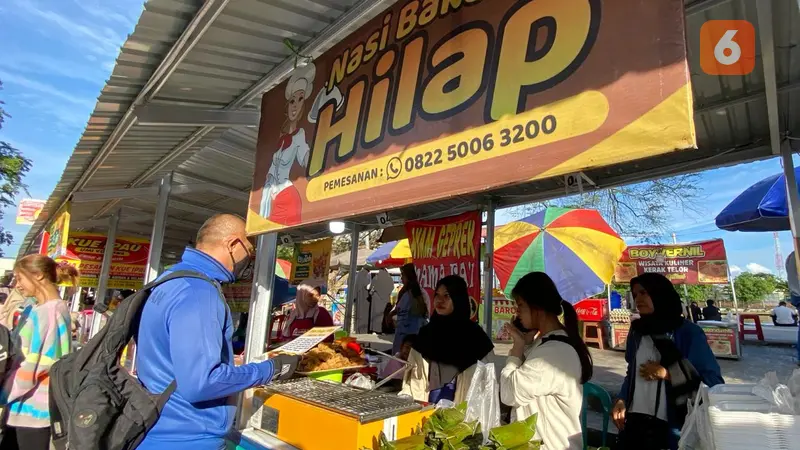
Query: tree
{"points": [[13, 168], [752, 287], [698, 292], [642, 211], [286, 252]]}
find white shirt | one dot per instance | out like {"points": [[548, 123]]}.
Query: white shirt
{"points": [[362, 305], [548, 383], [783, 315], [278, 175], [645, 392]]}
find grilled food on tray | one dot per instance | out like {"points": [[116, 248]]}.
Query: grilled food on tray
{"points": [[338, 355]]}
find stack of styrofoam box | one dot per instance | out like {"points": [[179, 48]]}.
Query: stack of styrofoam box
{"points": [[738, 419]]}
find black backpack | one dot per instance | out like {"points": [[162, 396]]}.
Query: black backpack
{"points": [[94, 402]]}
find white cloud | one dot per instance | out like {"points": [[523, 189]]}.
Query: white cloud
{"points": [[95, 37], [757, 268], [736, 270], [40, 64], [43, 88]]}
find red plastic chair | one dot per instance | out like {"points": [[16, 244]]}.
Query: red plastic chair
{"points": [[758, 332]]}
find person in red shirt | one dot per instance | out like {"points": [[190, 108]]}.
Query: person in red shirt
{"points": [[307, 313]]}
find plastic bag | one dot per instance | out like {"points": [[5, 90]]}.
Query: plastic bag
{"points": [[771, 390], [360, 381], [695, 434], [483, 399]]}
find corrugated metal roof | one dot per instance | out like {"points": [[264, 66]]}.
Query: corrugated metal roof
{"points": [[228, 49]]}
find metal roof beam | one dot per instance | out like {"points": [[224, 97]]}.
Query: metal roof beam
{"points": [[766, 38], [703, 5], [114, 194], [192, 208], [152, 192], [322, 42], [166, 115], [727, 103], [194, 31], [212, 186]]}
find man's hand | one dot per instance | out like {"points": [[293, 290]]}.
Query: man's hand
{"points": [[618, 414], [283, 366], [652, 371]]}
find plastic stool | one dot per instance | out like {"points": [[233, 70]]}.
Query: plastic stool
{"points": [[598, 337], [759, 332], [593, 390]]}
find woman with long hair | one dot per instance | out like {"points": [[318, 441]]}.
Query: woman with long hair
{"points": [[668, 357], [445, 352], [412, 307], [307, 313], [44, 336], [548, 363]]}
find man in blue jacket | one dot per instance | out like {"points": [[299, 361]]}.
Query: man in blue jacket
{"points": [[185, 335]]}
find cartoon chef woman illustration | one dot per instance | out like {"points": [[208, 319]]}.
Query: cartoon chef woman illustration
{"points": [[280, 200]]}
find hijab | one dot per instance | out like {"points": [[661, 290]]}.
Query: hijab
{"points": [[667, 306], [453, 339]]}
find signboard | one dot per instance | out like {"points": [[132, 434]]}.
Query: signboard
{"points": [[435, 99], [694, 263], [503, 311], [127, 265], [58, 233], [312, 261], [449, 246], [723, 342], [619, 335], [28, 211], [238, 293]]}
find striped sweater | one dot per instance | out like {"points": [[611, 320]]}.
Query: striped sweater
{"points": [[44, 337]]}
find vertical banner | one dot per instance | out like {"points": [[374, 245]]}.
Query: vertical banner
{"points": [[58, 233], [127, 264], [312, 261], [449, 246], [28, 211], [693, 263]]}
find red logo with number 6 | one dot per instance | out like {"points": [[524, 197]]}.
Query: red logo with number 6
{"points": [[727, 47]]}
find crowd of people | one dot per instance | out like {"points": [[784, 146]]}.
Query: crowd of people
{"points": [[186, 335]]}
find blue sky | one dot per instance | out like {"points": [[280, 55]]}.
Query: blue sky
{"points": [[55, 56]]}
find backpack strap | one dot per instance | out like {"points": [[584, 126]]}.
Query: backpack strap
{"points": [[164, 397]]}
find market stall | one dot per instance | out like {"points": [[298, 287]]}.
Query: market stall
{"points": [[703, 263], [393, 112]]}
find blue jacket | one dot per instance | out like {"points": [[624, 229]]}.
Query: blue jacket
{"points": [[693, 345], [185, 335]]}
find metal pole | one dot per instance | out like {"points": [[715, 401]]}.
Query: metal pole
{"points": [[488, 269], [100, 305], [259, 320], [156, 240], [159, 227], [351, 279], [794, 199], [76, 300]]}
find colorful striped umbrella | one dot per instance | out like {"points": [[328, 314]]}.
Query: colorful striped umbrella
{"points": [[576, 247], [391, 254], [283, 269]]}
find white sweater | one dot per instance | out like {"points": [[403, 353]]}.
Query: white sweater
{"points": [[548, 383]]}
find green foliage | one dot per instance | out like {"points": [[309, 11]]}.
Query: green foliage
{"points": [[286, 252], [753, 287], [697, 292], [13, 168]]}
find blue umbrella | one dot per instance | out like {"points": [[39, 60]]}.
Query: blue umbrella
{"points": [[761, 207]]}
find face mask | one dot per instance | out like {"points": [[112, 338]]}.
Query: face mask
{"points": [[240, 268]]}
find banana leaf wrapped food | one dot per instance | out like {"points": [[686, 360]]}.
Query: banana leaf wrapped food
{"points": [[514, 435], [445, 418], [415, 442]]}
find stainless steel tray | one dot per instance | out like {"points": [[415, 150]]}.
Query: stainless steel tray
{"points": [[366, 406]]}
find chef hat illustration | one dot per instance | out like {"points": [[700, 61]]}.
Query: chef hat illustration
{"points": [[302, 79], [323, 97]]}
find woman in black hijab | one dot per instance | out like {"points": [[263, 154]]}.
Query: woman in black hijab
{"points": [[668, 357], [446, 350]]}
